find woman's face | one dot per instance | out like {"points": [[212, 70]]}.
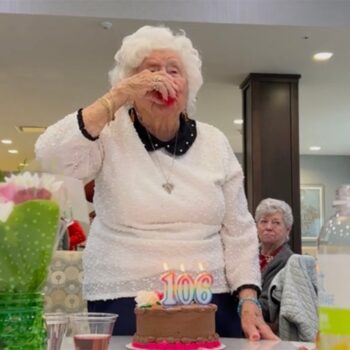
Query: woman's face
{"points": [[272, 230], [169, 62]]}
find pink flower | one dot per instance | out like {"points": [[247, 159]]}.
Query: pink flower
{"points": [[25, 187], [31, 193], [160, 295], [7, 192]]}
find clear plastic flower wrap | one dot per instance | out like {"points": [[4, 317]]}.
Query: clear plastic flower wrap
{"points": [[30, 226]]}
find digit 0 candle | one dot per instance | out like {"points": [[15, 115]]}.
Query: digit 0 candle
{"points": [[185, 288]]}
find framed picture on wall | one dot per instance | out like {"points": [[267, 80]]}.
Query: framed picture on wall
{"points": [[312, 211]]}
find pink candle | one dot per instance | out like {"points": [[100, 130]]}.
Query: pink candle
{"points": [[203, 283], [185, 287], [168, 280]]}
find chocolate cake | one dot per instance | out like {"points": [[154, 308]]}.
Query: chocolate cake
{"points": [[185, 327]]}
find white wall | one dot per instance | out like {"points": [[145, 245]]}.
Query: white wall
{"points": [[225, 105]]}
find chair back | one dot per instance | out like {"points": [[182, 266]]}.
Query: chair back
{"points": [[293, 299], [63, 289]]}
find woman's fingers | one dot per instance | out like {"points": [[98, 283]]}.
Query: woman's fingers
{"points": [[158, 86], [253, 324], [248, 320], [164, 84], [266, 332], [258, 330]]}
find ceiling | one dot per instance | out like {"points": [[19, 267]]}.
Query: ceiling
{"points": [[51, 65]]}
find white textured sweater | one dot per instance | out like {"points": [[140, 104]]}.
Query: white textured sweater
{"points": [[138, 225]]}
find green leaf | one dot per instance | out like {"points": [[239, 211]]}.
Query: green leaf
{"points": [[27, 240]]}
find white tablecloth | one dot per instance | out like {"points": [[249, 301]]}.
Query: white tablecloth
{"points": [[119, 343]]}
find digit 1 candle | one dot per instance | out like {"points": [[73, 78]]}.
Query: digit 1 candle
{"points": [[185, 287], [168, 280], [203, 283]]}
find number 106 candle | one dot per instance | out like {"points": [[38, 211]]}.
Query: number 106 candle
{"points": [[184, 289]]}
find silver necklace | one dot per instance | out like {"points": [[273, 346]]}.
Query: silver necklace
{"points": [[167, 185]]}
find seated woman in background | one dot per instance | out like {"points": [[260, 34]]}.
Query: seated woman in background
{"points": [[274, 220]]}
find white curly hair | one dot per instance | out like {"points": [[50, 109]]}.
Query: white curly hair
{"points": [[137, 46], [270, 206]]}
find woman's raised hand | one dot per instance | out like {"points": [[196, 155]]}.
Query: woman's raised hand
{"points": [[158, 86]]}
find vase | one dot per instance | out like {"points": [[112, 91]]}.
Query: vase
{"points": [[22, 324]]}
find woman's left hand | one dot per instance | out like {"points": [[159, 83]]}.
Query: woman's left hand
{"points": [[253, 324]]}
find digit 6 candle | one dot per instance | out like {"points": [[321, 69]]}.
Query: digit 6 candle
{"points": [[203, 283]]}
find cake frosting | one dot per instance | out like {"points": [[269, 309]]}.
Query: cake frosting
{"points": [[180, 327]]}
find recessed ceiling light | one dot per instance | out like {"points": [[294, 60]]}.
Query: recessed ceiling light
{"points": [[322, 56], [12, 151], [6, 141], [238, 121], [315, 148], [106, 25], [30, 129]]}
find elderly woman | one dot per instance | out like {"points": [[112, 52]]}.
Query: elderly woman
{"points": [[274, 220], [167, 188]]}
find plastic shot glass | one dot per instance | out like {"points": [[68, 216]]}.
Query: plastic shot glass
{"points": [[56, 326], [91, 330]]}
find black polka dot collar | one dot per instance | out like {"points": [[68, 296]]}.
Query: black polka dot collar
{"points": [[186, 136]]}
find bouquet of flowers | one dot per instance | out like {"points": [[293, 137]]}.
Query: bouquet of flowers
{"points": [[29, 225]]}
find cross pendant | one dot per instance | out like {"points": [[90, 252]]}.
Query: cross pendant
{"points": [[168, 187]]}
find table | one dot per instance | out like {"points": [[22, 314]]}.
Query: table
{"points": [[119, 342]]}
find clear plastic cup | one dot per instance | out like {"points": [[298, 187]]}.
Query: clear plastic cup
{"points": [[56, 326], [91, 330]]}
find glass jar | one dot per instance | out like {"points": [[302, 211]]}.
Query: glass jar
{"points": [[21, 321], [334, 278]]}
